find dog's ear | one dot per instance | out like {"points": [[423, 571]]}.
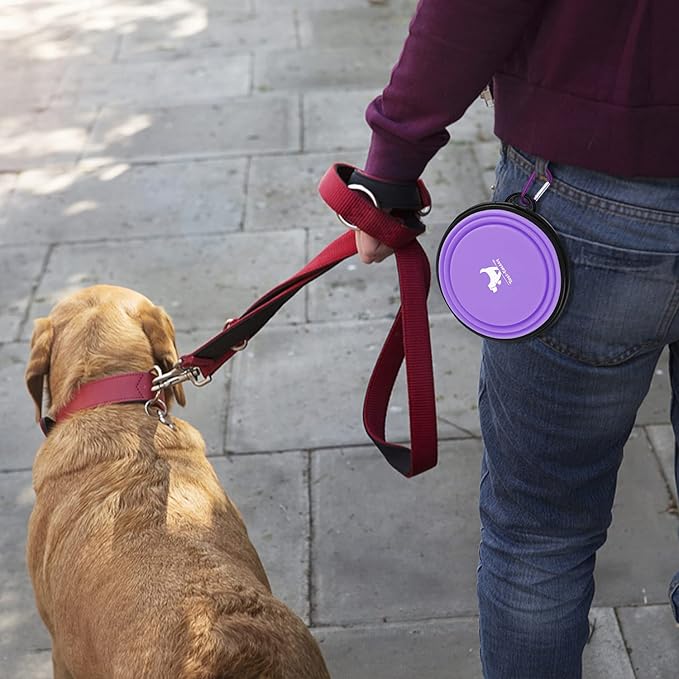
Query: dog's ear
{"points": [[39, 361], [158, 328]]}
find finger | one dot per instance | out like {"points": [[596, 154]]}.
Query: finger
{"points": [[370, 249]]}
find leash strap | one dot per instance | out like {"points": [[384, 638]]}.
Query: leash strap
{"points": [[407, 340]]}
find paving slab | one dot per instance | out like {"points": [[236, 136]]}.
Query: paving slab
{"points": [[272, 494], [20, 435], [21, 268], [261, 124], [335, 121], [31, 665], [60, 45], [201, 280], [605, 655], [156, 83], [224, 31], [663, 442], [21, 629], [7, 184], [652, 639], [313, 378], [315, 68], [357, 27], [28, 86], [440, 649], [389, 548], [635, 566], [121, 201], [54, 136], [283, 191]]}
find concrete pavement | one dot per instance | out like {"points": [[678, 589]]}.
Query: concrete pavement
{"points": [[174, 146]]}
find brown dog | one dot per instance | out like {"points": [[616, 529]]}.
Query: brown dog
{"points": [[142, 567]]}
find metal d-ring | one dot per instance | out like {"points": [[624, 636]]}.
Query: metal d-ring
{"points": [[244, 343], [362, 189]]}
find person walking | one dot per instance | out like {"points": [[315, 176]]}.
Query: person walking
{"points": [[589, 89]]}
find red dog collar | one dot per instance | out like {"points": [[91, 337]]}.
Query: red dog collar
{"points": [[125, 388]]}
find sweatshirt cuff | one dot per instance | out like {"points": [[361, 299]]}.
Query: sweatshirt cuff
{"points": [[393, 160]]}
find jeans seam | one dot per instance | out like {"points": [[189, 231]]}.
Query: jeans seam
{"points": [[587, 200], [609, 361], [670, 312]]}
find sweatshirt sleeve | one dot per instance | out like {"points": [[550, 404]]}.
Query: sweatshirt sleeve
{"points": [[452, 51]]}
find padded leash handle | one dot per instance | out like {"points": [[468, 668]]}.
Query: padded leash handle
{"points": [[407, 340]]}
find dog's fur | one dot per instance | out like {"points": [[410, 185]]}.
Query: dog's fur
{"points": [[142, 567]]}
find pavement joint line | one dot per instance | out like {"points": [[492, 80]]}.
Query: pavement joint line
{"points": [[115, 59], [246, 192], [20, 470], [204, 156], [628, 648], [298, 33], [367, 445], [395, 623], [401, 622], [445, 420], [172, 237], [225, 413], [27, 315], [311, 592], [307, 291], [88, 134], [309, 539], [668, 483], [301, 121], [115, 241]]}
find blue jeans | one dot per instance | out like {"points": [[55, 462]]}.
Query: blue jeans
{"points": [[556, 412]]}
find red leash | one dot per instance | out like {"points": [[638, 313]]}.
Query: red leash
{"points": [[407, 340]]}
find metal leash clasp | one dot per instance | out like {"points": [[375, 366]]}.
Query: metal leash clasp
{"points": [[177, 375], [156, 403]]}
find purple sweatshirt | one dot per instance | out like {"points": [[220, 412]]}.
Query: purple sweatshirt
{"points": [[580, 82]]}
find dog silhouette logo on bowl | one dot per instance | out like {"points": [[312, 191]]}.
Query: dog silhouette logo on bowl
{"points": [[494, 276]]}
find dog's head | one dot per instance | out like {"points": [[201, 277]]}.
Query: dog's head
{"points": [[97, 332]]}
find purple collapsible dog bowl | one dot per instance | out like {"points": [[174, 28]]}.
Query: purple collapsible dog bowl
{"points": [[503, 271]]}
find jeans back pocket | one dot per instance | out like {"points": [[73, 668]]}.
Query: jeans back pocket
{"points": [[620, 302]]}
